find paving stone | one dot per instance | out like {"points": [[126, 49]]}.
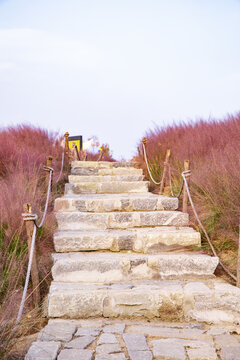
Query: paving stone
{"points": [[81, 342], [114, 328], [62, 331], [230, 353], [107, 338], [226, 340], [119, 356], [43, 350], [140, 355], [88, 331], [75, 354], [205, 353], [166, 332], [135, 342], [168, 350], [108, 349]]}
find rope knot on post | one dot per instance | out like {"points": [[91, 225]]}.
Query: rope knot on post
{"points": [[29, 217], [48, 168], [186, 173]]}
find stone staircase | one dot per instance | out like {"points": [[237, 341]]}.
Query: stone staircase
{"points": [[122, 252]]}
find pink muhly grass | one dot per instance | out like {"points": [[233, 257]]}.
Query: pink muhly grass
{"points": [[213, 148], [23, 152]]}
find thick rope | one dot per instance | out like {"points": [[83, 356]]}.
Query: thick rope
{"points": [[33, 217], [47, 201], [28, 275], [60, 174], [149, 172], [186, 174]]}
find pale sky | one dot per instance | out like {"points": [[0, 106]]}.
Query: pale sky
{"points": [[114, 68]]}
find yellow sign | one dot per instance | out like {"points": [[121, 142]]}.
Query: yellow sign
{"points": [[75, 140]]}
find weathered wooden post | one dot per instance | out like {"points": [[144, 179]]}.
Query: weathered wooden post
{"points": [[185, 195], [238, 260], [66, 135], [27, 208], [165, 171], [75, 153], [144, 142], [48, 165]]}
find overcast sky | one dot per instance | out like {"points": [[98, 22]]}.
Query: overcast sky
{"points": [[114, 68]]}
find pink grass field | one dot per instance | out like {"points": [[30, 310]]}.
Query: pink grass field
{"points": [[213, 148]]}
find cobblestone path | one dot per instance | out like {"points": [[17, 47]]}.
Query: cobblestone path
{"points": [[101, 339]]}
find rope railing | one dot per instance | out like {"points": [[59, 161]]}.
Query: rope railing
{"points": [[62, 164], [184, 175], [33, 218], [147, 163], [187, 196]]}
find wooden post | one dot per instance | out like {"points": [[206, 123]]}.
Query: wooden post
{"points": [[144, 142], [66, 135], [48, 163], [27, 208], [76, 153], [238, 260], [185, 195], [165, 171]]}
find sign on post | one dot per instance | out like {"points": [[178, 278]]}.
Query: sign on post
{"points": [[75, 140]]}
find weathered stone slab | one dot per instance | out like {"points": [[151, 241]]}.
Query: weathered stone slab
{"points": [[75, 354], [110, 171], [145, 240], [102, 164], [226, 340], [121, 220], [113, 187], [115, 202], [72, 301], [146, 299], [61, 331], [230, 353], [43, 350], [105, 268], [75, 179]]}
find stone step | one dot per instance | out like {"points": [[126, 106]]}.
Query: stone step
{"points": [[102, 164], [108, 268], [213, 301], [112, 171], [144, 240], [115, 202], [112, 187], [119, 220], [78, 179]]}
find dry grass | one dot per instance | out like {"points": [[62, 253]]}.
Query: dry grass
{"points": [[23, 150], [213, 149]]}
